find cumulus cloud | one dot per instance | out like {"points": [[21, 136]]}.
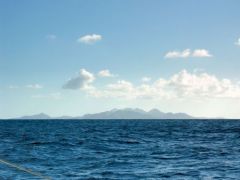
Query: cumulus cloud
{"points": [[90, 39], [188, 53], [105, 73], [146, 79], [81, 81], [238, 42], [178, 54], [201, 53], [180, 85], [34, 86]]}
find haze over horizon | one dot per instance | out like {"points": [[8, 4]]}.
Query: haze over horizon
{"points": [[78, 57]]}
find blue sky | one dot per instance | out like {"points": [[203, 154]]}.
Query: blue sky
{"points": [[47, 46]]}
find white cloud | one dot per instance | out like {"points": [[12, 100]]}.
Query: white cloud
{"points": [[238, 42], [34, 86], [180, 85], [90, 39], [201, 53], [13, 87], [188, 53], [105, 73], [178, 54], [51, 36], [121, 85], [146, 79], [120, 89], [81, 81]]}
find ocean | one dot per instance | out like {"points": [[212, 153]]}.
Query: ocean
{"points": [[120, 149]]}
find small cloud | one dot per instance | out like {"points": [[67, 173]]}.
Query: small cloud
{"points": [[13, 87], [201, 53], [198, 70], [51, 36], [188, 53], [81, 81], [56, 96], [178, 54], [90, 39], [105, 73], [146, 79], [34, 86], [238, 42]]}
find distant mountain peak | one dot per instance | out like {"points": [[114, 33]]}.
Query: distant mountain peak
{"points": [[42, 114], [154, 110], [134, 109], [36, 116], [114, 109]]}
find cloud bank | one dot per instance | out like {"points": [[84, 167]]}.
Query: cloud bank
{"points": [[180, 85], [184, 84]]}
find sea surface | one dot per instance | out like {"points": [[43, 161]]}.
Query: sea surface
{"points": [[121, 149]]}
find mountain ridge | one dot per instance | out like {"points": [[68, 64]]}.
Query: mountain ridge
{"points": [[126, 113]]}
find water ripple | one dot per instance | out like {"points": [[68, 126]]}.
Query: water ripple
{"points": [[122, 149]]}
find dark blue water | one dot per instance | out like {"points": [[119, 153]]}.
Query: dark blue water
{"points": [[121, 149]]}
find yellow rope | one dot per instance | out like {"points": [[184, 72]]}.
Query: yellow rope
{"points": [[24, 169]]}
